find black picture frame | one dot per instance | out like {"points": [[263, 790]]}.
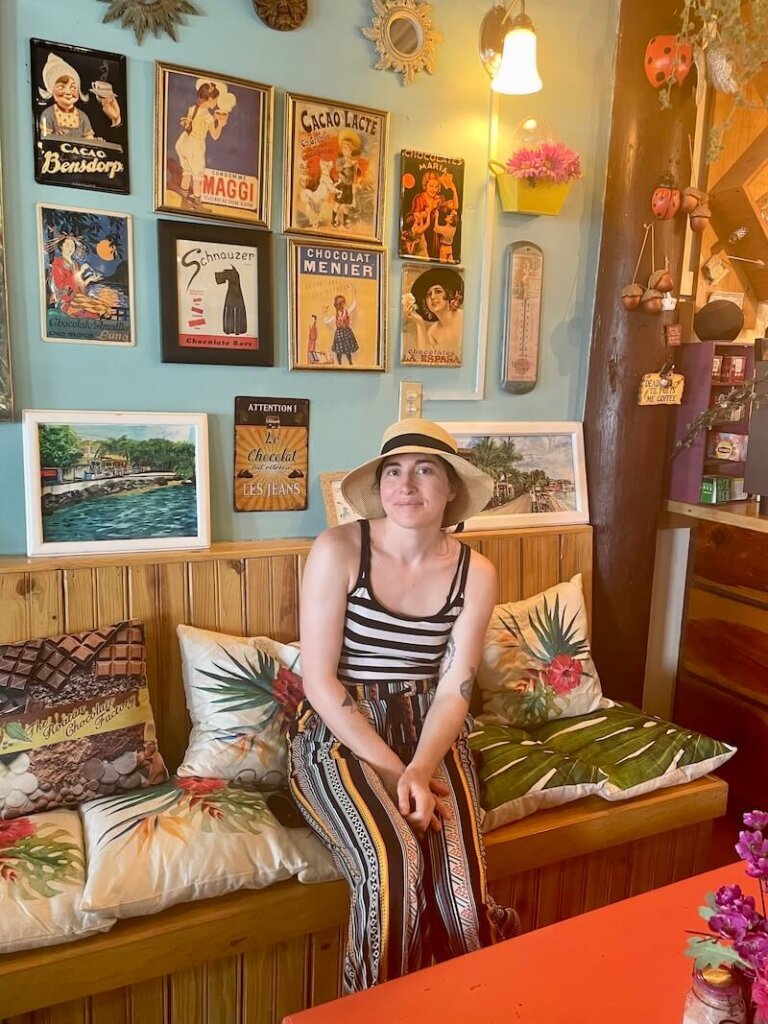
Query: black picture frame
{"points": [[81, 139], [222, 279]]}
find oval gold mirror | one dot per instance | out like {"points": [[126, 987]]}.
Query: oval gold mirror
{"points": [[404, 36]]}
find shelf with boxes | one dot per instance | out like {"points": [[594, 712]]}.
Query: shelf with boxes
{"points": [[711, 471]]}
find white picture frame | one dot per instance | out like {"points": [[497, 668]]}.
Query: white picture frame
{"points": [[115, 481], [555, 449]]}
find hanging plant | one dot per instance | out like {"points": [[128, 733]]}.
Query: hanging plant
{"points": [[155, 16], [729, 41]]}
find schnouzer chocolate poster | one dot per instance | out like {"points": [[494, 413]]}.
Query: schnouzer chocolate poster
{"points": [[271, 454]]}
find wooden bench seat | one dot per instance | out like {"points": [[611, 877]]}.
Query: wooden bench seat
{"points": [[253, 957]]}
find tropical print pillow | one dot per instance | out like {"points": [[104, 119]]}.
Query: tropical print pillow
{"points": [[536, 663], [189, 839], [42, 872], [636, 752], [519, 775], [75, 719], [241, 693]]}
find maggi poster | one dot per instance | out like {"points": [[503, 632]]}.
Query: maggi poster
{"points": [[271, 454]]}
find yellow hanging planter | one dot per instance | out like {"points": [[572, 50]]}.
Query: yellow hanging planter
{"points": [[518, 195]]}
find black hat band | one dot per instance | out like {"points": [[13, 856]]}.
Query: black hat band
{"points": [[422, 440]]}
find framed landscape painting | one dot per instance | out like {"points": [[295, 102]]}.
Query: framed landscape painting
{"points": [[538, 471], [115, 481]]}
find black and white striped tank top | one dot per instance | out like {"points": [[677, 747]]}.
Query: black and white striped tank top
{"points": [[383, 646]]}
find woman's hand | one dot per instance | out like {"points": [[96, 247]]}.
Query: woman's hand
{"points": [[420, 801]]}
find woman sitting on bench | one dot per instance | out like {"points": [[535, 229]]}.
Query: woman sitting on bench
{"points": [[393, 617]]}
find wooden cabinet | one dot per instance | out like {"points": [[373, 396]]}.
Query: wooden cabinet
{"points": [[705, 367]]}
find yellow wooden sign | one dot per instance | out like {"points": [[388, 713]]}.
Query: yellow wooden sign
{"points": [[661, 389]]}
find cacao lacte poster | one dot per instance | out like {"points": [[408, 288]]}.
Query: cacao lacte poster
{"points": [[271, 454]]}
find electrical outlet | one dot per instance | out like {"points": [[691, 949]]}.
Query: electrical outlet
{"points": [[411, 399]]}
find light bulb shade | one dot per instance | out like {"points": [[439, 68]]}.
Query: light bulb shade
{"points": [[518, 74]]}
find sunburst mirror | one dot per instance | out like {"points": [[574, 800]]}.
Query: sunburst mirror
{"points": [[155, 16], [404, 36]]}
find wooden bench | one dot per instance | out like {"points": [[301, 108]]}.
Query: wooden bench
{"points": [[253, 957]]}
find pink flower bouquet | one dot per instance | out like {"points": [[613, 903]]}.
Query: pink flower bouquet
{"points": [[548, 163], [740, 929]]}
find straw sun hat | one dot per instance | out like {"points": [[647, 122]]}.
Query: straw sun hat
{"points": [[474, 488]]}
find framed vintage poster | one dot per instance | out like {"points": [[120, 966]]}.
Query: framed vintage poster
{"points": [[215, 294], [334, 171], [538, 470], [431, 207], [115, 481], [86, 276], [271, 454], [337, 302], [213, 145], [433, 315], [80, 110], [337, 511]]}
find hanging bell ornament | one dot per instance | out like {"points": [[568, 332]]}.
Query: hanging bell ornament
{"points": [[651, 300], [630, 296]]}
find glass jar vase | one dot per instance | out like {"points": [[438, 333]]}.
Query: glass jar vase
{"points": [[715, 998]]}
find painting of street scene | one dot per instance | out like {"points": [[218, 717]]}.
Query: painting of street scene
{"points": [[536, 473], [134, 483]]}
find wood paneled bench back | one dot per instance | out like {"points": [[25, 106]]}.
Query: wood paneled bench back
{"points": [[255, 956]]}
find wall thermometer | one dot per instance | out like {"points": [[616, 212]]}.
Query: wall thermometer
{"points": [[522, 322]]}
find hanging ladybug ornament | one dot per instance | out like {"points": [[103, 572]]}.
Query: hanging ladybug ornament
{"points": [[665, 201], [667, 58]]}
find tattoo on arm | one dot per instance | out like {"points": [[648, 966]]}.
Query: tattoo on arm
{"points": [[465, 688], [450, 651]]}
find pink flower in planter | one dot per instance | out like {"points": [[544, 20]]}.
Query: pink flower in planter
{"points": [[563, 674], [551, 163], [760, 995], [11, 832], [196, 786]]}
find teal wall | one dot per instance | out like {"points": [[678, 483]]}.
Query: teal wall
{"points": [[446, 113]]}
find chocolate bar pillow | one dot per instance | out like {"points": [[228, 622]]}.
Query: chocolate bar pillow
{"points": [[75, 719]]}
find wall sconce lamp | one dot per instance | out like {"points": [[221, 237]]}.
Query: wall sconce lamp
{"points": [[508, 51]]}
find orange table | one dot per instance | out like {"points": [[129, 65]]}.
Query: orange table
{"points": [[623, 963]]}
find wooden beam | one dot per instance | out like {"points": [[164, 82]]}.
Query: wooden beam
{"points": [[625, 444]]}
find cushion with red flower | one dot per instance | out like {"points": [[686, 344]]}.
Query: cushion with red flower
{"points": [[536, 663], [189, 839], [42, 873], [241, 694]]}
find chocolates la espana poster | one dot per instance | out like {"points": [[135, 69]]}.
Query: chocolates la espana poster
{"points": [[79, 105], [271, 454]]}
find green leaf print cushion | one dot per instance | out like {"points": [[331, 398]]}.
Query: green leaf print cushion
{"points": [[636, 752], [241, 694], [536, 663], [519, 775]]}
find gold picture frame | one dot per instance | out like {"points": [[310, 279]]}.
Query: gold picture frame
{"points": [[334, 170], [193, 176], [337, 511], [337, 298]]}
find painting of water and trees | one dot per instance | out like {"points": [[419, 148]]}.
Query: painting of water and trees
{"points": [[104, 482]]}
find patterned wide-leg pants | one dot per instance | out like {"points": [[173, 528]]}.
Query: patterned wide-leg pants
{"points": [[412, 900]]}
